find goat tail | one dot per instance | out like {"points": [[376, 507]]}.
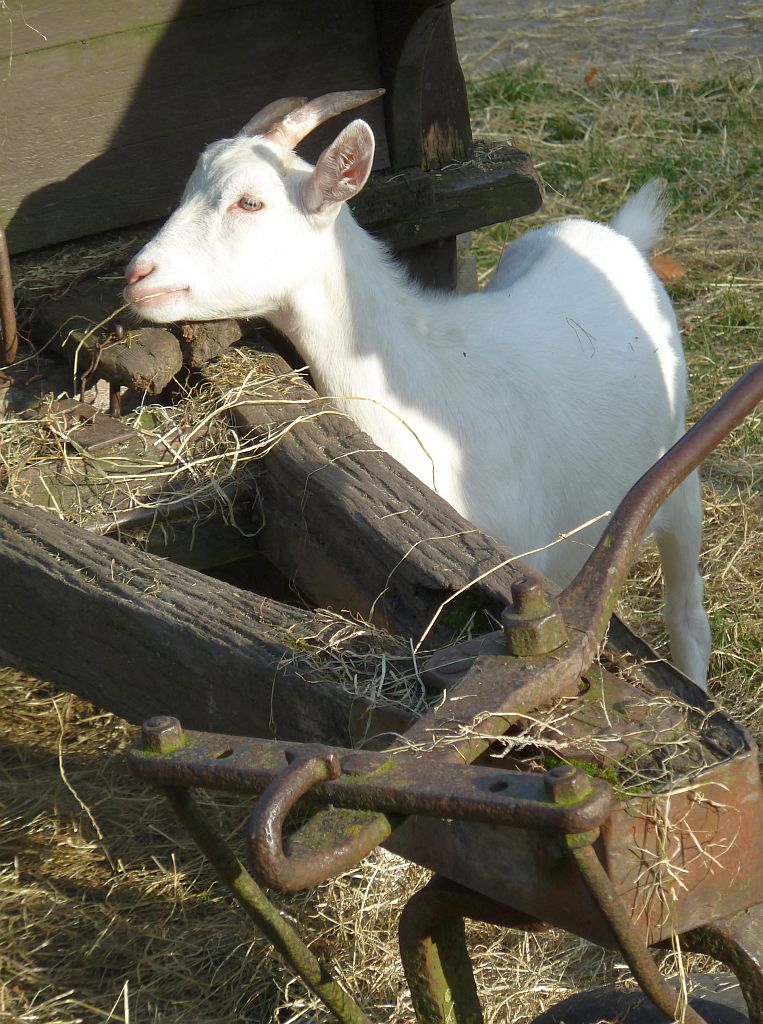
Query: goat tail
{"points": [[642, 217]]}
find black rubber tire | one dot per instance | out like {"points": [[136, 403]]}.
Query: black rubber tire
{"points": [[716, 997]]}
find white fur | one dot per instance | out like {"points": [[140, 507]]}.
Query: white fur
{"points": [[531, 407]]}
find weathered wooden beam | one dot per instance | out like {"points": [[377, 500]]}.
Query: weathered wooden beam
{"points": [[405, 33], [406, 209], [84, 325], [81, 324], [351, 529], [202, 342], [140, 636]]}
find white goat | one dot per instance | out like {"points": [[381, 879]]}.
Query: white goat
{"points": [[531, 407]]}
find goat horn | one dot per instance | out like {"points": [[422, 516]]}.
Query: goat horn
{"points": [[300, 122], [272, 115]]}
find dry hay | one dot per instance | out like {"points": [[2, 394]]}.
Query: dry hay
{"points": [[192, 455], [362, 660]]}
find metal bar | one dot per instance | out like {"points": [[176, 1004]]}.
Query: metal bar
{"points": [[433, 948], [256, 905], [589, 598], [436, 961], [10, 337], [737, 942], [400, 783], [634, 951]]}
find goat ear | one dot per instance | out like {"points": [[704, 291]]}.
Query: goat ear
{"points": [[342, 170]]}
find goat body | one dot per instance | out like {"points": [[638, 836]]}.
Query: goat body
{"points": [[532, 407]]}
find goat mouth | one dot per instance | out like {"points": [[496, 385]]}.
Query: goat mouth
{"points": [[146, 296]]}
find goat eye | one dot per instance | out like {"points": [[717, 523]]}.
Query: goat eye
{"points": [[249, 203]]}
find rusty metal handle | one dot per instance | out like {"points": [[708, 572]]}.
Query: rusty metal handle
{"points": [[8, 333], [290, 870], [589, 598]]}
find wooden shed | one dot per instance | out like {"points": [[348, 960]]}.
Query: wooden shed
{"points": [[105, 106]]}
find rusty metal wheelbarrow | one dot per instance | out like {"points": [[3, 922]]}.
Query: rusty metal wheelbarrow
{"points": [[544, 790]]}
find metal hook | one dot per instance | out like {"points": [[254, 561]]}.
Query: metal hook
{"points": [[289, 870]]}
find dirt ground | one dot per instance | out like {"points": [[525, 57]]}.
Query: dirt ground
{"points": [[492, 34]]}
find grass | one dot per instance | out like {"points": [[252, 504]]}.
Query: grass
{"points": [[109, 913]]}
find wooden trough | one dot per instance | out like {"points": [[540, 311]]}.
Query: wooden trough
{"points": [[324, 520]]}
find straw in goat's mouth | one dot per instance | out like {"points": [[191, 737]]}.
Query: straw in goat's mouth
{"points": [[144, 300]]}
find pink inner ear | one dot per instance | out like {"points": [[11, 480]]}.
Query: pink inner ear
{"points": [[342, 169]]}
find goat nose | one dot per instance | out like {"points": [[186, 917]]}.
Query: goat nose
{"points": [[138, 271]]}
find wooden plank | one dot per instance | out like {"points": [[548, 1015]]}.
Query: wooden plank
{"points": [[139, 636], [445, 125], [81, 324], [41, 25], [104, 131], [352, 529], [417, 207], [434, 264], [405, 30]]}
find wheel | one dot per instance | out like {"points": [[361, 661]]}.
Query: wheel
{"points": [[717, 998]]}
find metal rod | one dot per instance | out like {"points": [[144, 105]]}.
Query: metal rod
{"points": [[256, 905], [591, 595], [10, 340], [634, 950], [736, 941], [435, 960], [433, 948], [389, 784]]}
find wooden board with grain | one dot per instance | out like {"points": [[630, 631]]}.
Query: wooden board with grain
{"points": [[355, 531], [105, 108], [140, 636]]}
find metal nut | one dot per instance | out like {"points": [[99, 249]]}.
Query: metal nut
{"points": [[162, 735], [566, 784], [532, 623]]}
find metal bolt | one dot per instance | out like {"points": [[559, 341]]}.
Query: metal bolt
{"points": [[528, 597], [532, 623], [162, 735], [566, 784]]}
